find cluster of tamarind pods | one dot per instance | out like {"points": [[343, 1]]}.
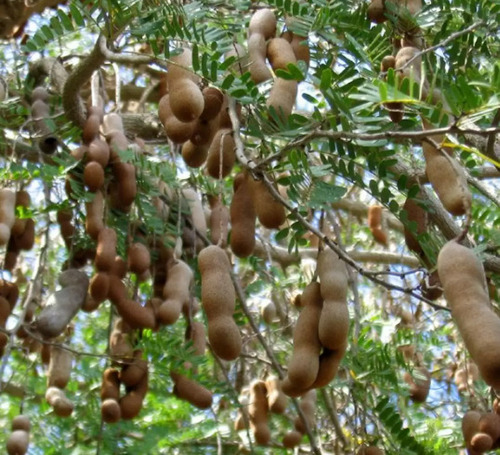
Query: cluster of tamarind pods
{"points": [[198, 119]]}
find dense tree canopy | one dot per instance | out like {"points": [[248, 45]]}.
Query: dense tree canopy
{"points": [[220, 225]]}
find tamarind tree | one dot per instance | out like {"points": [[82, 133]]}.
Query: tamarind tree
{"points": [[220, 225]]}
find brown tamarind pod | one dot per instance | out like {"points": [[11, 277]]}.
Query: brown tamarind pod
{"points": [[280, 53], [136, 315], [258, 412], [177, 292], [334, 319], [329, 362], [419, 215], [218, 300], [131, 403], [63, 407], [98, 151], [376, 11], [375, 224], [299, 45], [243, 217], [93, 176], [304, 364], [106, 249], [269, 211], [91, 128], [99, 287], [139, 258], [110, 410], [219, 221], [276, 399], [7, 214], [176, 130], [194, 155], [95, 213], [214, 99], [419, 384], [60, 364], [292, 439], [191, 391], [221, 154], [124, 187], [132, 373], [110, 386]]}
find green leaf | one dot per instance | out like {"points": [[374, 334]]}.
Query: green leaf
{"points": [[324, 194]]}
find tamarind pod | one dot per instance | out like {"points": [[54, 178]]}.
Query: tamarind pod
{"points": [[282, 97], [176, 292], [299, 45], [194, 155], [178, 68], [292, 439], [99, 287], [110, 386], [217, 290], [186, 100], [264, 22], [56, 398], [124, 173], [7, 214], [136, 315], [370, 450], [329, 362], [21, 422], [258, 412], [222, 143], [375, 224], [463, 280], [119, 268], [106, 249], [132, 373], [257, 48], [118, 143], [480, 443], [376, 11], [18, 442], [139, 258], [95, 213], [177, 131], [224, 337], [91, 128], [268, 312], [280, 53], [131, 403], [213, 101], [10, 291], [415, 213], [448, 180], [110, 410], [204, 131], [419, 386], [99, 152], [270, 212], [243, 216], [60, 364], [431, 287], [219, 221], [304, 364], [191, 391], [63, 304], [117, 290], [93, 176], [489, 423], [26, 239], [276, 399], [4, 310], [333, 326]]}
